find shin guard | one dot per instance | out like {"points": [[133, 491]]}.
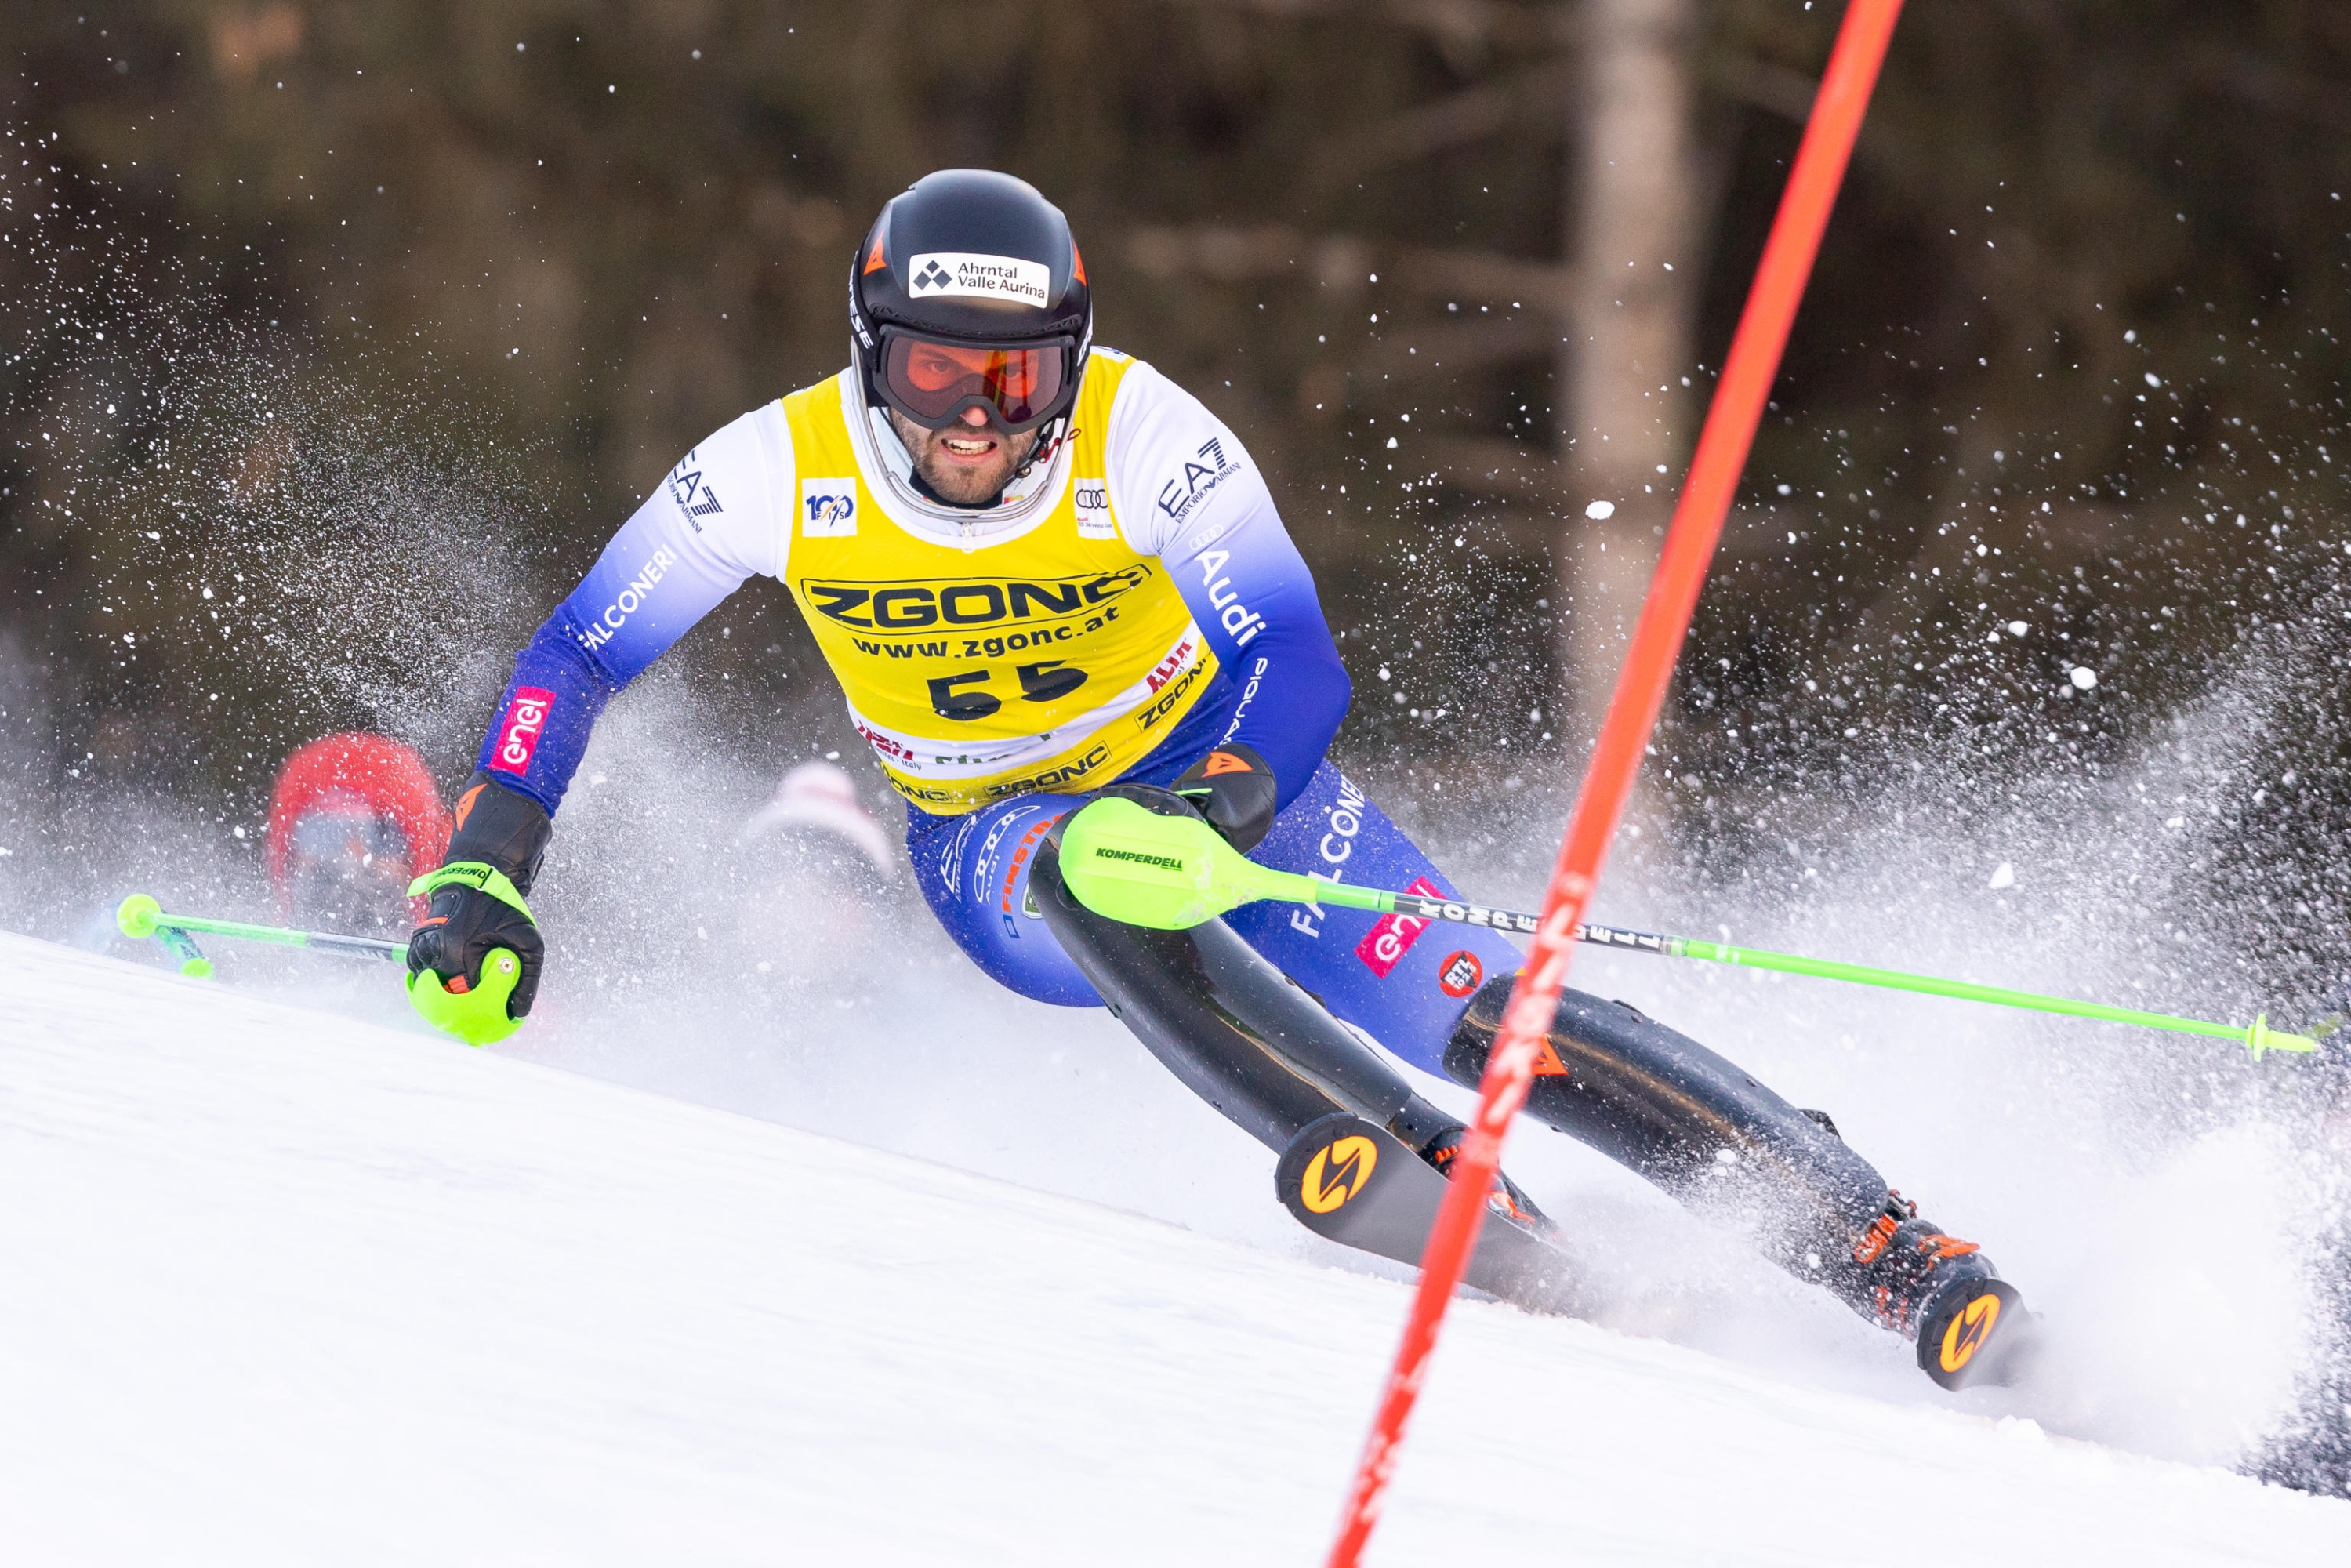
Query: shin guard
{"points": [[1660, 1104], [1229, 1025]]}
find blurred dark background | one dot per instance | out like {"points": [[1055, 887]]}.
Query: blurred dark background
{"points": [[338, 338]]}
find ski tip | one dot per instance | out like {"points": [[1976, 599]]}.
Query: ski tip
{"points": [[136, 915], [1329, 1164], [1977, 1334]]}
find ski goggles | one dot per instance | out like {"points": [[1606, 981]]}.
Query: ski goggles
{"points": [[1018, 386]]}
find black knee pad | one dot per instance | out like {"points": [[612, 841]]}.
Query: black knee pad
{"points": [[1233, 1028]]}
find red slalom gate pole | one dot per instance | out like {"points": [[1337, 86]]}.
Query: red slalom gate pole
{"points": [[1722, 447]]}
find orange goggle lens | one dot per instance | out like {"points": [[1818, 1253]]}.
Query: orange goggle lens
{"points": [[938, 381]]}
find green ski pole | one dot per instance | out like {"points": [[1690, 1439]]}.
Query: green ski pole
{"points": [[1129, 864], [141, 916]]}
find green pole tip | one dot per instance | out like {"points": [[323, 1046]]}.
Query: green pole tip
{"points": [[2261, 1038], [197, 968], [135, 916]]}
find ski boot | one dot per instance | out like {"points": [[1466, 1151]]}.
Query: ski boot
{"points": [[1660, 1104], [1909, 1278], [1505, 1199]]}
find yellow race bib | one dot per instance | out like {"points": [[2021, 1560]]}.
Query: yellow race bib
{"points": [[1054, 660]]}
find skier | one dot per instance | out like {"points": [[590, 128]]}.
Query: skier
{"points": [[815, 810], [824, 875], [1039, 569], [353, 818]]}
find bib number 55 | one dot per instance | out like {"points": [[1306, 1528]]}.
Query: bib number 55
{"points": [[1049, 682]]}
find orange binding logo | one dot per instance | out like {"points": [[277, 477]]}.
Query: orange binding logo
{"points": [[1872, 1244], [1337, 1173], [1966, 1335]]}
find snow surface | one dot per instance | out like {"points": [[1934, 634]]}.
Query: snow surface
{"points": [[282, 1286]]}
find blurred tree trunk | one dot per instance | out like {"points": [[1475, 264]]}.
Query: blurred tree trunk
{"points": [[1635, 217]]}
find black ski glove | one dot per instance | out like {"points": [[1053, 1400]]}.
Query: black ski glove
{"points": [[477, 907], [1233, 787]]}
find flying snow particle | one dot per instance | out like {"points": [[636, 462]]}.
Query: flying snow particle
{"points": [[2017, 628], [2084, 678], [1600, 511], [2003, 877]]}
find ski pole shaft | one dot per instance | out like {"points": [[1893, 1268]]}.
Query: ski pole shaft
{"points": [[2256, 1038], [140, 915], [1171, 873]]}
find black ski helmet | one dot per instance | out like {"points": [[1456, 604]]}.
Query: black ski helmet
{"points": [[973, 259]]}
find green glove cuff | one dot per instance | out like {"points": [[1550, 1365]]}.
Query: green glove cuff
{"points": [[477, 1017], [488, 879]]}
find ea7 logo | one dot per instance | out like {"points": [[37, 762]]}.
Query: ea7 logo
{"points": [[694, 498], [1203, 471], [827, 508]]}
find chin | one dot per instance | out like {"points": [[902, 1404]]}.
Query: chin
{"points": [[967, 488]]}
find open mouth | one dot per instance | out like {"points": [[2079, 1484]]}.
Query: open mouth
{"points": [[961, 447]]}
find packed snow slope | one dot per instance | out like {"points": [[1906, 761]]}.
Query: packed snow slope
{"points": [[284, 1288]]}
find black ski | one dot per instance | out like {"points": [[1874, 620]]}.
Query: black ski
{"points": [[1350, 1181]]}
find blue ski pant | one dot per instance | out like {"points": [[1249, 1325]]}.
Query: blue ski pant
{"points": [[1404, 982]]}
